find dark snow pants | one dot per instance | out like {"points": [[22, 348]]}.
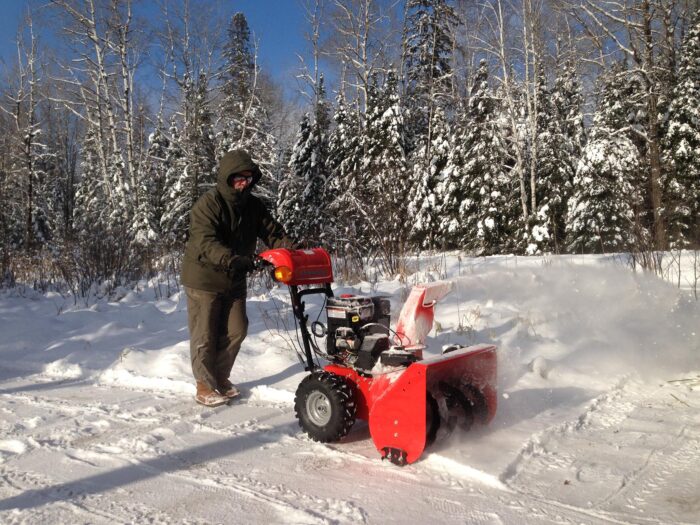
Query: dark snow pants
{"points": [[218, 325]]}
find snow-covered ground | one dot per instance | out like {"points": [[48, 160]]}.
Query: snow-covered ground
{"points": [[598, 421]]}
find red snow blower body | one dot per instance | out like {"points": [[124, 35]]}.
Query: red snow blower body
{"points": [[378, 374]]}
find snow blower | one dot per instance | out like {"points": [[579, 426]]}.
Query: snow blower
{"points": [[378, 374]]}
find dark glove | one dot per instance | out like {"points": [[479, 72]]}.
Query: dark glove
{"points": [[241, 264], [260, 264]]}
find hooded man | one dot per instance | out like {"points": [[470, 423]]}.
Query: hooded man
{"points": [[225, 224]]}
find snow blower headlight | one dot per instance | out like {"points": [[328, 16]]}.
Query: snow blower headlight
{"points": [[283, 274]]}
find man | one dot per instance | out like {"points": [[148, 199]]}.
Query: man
{"points": [[225, 224]]}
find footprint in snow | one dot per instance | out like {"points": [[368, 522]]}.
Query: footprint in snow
{"points": [[11, 447]]}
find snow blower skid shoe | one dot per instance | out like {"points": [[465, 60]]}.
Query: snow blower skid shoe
{"points": [[375, 377]]}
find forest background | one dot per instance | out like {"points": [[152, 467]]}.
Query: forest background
{"points": [[487, 126]]}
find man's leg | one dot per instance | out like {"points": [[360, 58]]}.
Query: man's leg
{"points": [[235, 321], [203, 316]]}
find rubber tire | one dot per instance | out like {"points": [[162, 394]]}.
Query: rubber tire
{"points": [[432, 420], [342, 406]]}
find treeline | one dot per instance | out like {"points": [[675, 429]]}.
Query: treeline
{"points": [[534, 126]]}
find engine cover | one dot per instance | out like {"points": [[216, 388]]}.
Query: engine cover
{"points": [[363, 315]]}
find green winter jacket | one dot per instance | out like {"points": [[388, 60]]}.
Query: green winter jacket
{"points": [[225, 224]]}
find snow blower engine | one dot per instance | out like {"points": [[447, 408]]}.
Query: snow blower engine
{"points": [[378, 374]]}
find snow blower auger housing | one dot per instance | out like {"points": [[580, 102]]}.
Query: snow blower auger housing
{"points": [[378, 374]]}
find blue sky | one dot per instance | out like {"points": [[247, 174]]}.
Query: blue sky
{"points": [[278, 26]]}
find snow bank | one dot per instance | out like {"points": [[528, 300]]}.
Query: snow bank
{"points": [[166, 369]]}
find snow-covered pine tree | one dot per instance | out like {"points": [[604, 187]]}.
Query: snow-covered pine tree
{"points": [[91, 199], [568, 101], [603, 209], [57, 186], [386, 174], [609, 209], [512, 117], [42, 232], [682, 148], [344, 160], [537, 237], [604, 213], [425, 204], [451, 189], [478, 190], [302, 204], [562, 148], [244, 122], [428, 50], [149, 206], [290, 202], [559, 141], [120, 215], [191, 159], [621, 105], [200, 145], [177, 192]]}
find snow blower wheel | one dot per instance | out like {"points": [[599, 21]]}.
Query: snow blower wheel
{"points": [[432, 420], [324, 406]]}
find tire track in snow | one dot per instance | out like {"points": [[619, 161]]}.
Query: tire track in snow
{"points": [[645, 463], [672, 470], [536, 446], [96, 450], [53, 504], [292, 505]]}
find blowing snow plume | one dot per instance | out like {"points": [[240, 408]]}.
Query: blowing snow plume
{"points": [[564, 320]]}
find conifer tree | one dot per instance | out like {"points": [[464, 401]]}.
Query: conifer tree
{"points": [[560, 137], [290, 202], [682, 148], [536, 237], [344, 160], [568, 101], [92, 200], [451, 188], [303, 201], [120, 215], [192, 167], [605, 211], [428, 50], [244, 122], [386, 173], [621, 106], [424, 207], [150, 193], [602, 210], [477, 191]]}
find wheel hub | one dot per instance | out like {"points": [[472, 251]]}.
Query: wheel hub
{"points": [[318, 407]]}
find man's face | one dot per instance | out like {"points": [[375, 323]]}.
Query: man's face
{"points": [[240, 181]]}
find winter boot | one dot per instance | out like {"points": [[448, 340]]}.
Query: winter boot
{"points": [[228, 389], [208, 397]]}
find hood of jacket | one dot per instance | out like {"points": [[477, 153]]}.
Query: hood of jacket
{"points": [[236, 161]]}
